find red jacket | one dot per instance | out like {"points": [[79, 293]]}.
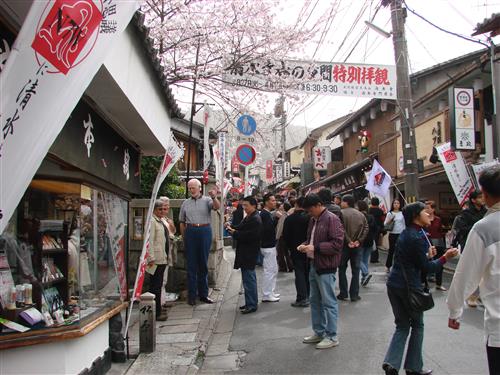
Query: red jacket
{"points": [[328, 242]]}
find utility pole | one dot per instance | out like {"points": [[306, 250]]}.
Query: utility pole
{"points": [[193, 109], [279, 111], [404, 100]]}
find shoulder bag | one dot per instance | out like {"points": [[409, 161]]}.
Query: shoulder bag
{"points": [[419, 300], [390, 225]]}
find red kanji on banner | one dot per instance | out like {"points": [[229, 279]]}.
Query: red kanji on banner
{"points": [[65, 32], [449, 156]]}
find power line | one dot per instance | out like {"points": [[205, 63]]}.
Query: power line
{"points": [[444, 30]]}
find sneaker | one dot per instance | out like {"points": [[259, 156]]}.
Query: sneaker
{"points": [[366, 280], [440, 287], [276, 295], [314, 339], [327, 343], [271, 299]]}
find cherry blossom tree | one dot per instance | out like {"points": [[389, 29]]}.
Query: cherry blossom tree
{"points": [[224, 34]]}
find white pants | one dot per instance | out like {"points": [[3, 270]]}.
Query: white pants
{"points": [[270, 266]]}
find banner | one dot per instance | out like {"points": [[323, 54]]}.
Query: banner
{"points": [[115, 215], [269, 171], [456, 170], [59, 49], [317, 78], [173, 153], [478, 168], [321, 157], [206, 135], [462, 118], [379, 181]]}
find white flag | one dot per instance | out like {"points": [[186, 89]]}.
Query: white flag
{"points": [[379, 180], [61, 46]]}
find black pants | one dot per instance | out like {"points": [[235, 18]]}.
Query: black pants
{"points": [[393, 237], [285, 263], [301, 268], [493, 359], [155, 283]]}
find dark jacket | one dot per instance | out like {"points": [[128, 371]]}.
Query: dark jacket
{"points": [[247, 235], [237, 215], [379, 216], [328, 242], [465, 222], [411, 253], [268, 237], [295, 230], [372, 230]]}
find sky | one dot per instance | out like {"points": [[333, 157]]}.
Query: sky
{"points": [[427, 46]]}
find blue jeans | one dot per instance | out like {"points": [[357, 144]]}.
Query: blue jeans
{"points": [[365, 259], [250, 285], [324, 305], [198, 241], [352, 256], [405, 319]]}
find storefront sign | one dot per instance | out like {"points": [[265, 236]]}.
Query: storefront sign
{"points": [[456, 170], [322, 156], [462, 119], [109, 156], [317, 78], [278, 172], [59, 49]]}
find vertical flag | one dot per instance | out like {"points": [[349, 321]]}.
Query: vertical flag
{"points": [[379, 180]]}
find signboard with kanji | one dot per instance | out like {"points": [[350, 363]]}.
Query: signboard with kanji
{"points": [[321, 157], [316, 78], [463, 136], [245, 154]]}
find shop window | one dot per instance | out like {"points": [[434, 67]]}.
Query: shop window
{"points": [[61, 256]]}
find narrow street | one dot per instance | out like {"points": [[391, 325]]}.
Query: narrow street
{"points": [[272, 337]]}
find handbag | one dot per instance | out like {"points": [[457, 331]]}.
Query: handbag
{"points": [[419, 300], [389, 226]]}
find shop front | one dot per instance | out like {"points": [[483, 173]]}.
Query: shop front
{"points": [[62, 256]]}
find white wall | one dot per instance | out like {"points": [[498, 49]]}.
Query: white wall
{"points": [[131, 68], [61, 357]]}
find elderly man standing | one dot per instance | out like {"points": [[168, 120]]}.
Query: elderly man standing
{"points": [[194, 219]]}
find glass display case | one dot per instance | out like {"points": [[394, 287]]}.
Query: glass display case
{"points": [[62, 257]]}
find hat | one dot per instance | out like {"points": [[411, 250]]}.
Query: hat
{"points": [[411, 211]]}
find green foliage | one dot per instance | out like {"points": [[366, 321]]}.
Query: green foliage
{"points": [[172, 187]]}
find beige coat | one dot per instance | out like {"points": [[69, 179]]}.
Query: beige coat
{"points": [[157, 242]]}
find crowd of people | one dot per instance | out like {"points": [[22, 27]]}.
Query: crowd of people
{"points": [[318, 236]]}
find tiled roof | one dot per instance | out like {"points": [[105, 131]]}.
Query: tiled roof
{"points": [[491, 24], [152, 52]]}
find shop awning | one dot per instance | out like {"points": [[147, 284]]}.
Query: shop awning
{"points": [[284, 184]]}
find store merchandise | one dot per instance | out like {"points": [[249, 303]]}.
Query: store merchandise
{"points": [[50, 271], [32, 316], [28, 294], [50, 242], [52, 300]]}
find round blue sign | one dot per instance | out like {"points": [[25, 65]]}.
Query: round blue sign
{"points": [[246, 125], [245, 154]]}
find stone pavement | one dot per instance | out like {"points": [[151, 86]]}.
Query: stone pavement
{"points": [[182, 340]]}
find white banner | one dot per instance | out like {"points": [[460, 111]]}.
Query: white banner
{"points": [[173, 153], [321, 157], [456, 170], [317, 78], [379, 181], [59, 49]]}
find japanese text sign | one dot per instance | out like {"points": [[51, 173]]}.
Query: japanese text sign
{"points": [[462, 119], [321, 157], [317, 78], [456, 170]]}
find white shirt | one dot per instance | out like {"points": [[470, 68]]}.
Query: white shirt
{"points": [[480, 265], [399, 222]]}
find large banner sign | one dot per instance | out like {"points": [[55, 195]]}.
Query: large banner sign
{"points": [[317, 78], [456, 170], [59, 49]]}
